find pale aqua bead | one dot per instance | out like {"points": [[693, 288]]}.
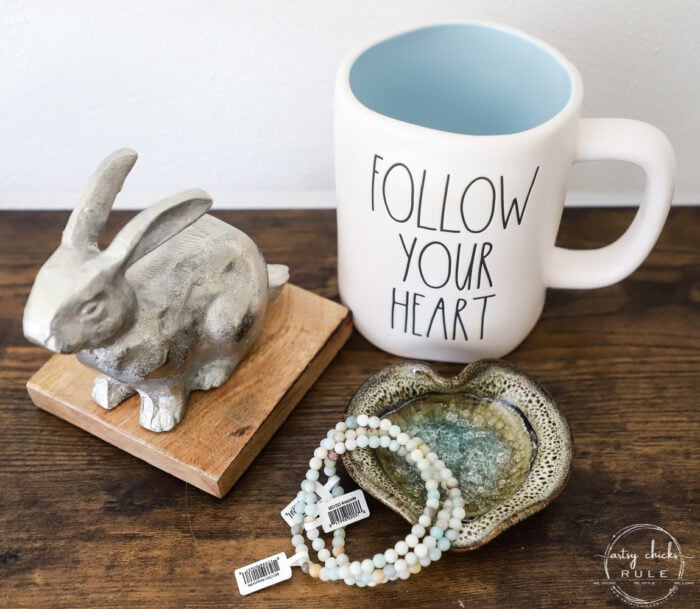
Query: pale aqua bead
{"points": [[308, 486], [312, 474], [390, 571], [374, 442], [443, 544], [437, 532], [333, 574], [328, 443], [312, 534], [309, 498], [459, 513], [329, 470], [401, 547], [350, 581], [337, 491], [298, 517], [394, 446], [311, 509], [433, 494], [298, 540], [351, 422], [435, 554], [433, 503], [318, 544], [367, 566], [299, 507], [361, 583], [451, 534], [394, 431], [362, 441], [379, 561]]}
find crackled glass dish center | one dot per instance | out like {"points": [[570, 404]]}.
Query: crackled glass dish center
{"points": [[486, 443]]}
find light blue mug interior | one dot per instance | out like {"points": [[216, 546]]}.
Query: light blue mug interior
{"points": [[464, 78]]}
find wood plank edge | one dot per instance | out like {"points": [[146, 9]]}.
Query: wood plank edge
{"points": [[117, 438], [289, 400]]}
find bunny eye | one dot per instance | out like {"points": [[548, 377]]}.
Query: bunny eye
{"points": [[91, 309]]}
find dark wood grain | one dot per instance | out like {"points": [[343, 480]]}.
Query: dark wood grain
{"points": [[83, 524]]}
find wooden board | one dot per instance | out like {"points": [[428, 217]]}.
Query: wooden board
{"points": [[223, 429]]}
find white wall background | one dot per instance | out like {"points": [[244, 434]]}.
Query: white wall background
{"points": [[236, 95]]}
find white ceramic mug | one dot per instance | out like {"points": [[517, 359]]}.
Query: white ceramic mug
{"points": [[453, 145]]}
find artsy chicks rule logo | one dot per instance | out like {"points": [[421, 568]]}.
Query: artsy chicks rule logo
{"points": [[643, 565]]}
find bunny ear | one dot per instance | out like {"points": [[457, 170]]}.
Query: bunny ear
{"points": [[91, 212], [156, 225]]}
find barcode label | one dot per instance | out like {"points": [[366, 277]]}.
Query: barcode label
{"points": [[263, 573], [343, 510], [289, 511]]}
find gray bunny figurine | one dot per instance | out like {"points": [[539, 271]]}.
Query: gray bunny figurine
{"points": [[171, 305]]}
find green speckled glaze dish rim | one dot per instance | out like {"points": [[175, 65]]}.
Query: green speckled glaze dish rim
{"points": [[489, 378]]}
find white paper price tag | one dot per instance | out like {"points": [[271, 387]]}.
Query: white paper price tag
{"points": [[341, 511], [263, 573], [289, 511]]}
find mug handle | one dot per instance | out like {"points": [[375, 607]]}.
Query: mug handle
{"points": [[644, 145]]}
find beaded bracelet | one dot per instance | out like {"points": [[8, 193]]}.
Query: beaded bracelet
{"points": [[436, 529]]}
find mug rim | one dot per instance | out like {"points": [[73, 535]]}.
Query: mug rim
{"points": [[569, 110]]}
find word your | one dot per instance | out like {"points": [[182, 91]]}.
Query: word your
{"points": [[437, 264]]}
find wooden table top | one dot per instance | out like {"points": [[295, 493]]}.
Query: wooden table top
{"points": [[83, 524]]}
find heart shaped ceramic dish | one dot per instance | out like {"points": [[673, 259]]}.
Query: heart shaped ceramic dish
{"points": [[495, 427]]}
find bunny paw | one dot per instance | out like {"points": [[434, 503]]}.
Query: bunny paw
{"points": [[108, 393], [161, 412], [213, 374]]}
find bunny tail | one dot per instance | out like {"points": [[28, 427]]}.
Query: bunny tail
{"points": [[277, 276]]}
